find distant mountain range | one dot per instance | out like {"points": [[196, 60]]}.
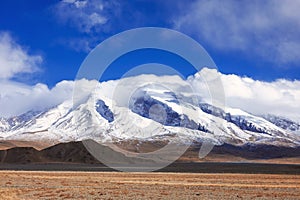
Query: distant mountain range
{"points": [[150, 113]]}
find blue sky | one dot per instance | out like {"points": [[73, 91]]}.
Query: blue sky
{"points": [[258, 39]]}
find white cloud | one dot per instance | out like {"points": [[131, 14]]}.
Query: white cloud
{"points": [[269, 29], [14, 59], [280, 97], [81, 44], [87, 16], [17, 98]]}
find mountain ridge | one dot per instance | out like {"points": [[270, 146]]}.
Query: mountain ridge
{"points": [[166, 109]]}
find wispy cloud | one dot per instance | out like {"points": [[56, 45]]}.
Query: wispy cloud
{"points": [[85, 15], [15, 59], [79, 44], [90, 18], [269, 28]]}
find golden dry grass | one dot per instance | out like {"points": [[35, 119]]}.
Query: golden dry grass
{"points": [[119, 185]]}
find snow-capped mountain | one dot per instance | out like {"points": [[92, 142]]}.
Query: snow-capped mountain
{"points": [[132, 108], [283, 122]]}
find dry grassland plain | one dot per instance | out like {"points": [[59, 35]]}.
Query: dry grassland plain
{"points": [[119, 185]]}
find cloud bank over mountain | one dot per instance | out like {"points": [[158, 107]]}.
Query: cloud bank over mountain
{"points": [[17, 98], [280, 97]]}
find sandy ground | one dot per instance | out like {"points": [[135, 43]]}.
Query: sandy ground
{"points": [[119, 185]]}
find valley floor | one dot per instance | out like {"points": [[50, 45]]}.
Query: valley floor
{"points": [[121, 185]]}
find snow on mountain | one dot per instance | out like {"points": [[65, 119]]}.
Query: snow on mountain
{"points": [[4, 126], [133, 108], [283, 122], [244, 120]]}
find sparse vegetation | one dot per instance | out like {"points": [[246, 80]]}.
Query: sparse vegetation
{"points": [[116, 185]]}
